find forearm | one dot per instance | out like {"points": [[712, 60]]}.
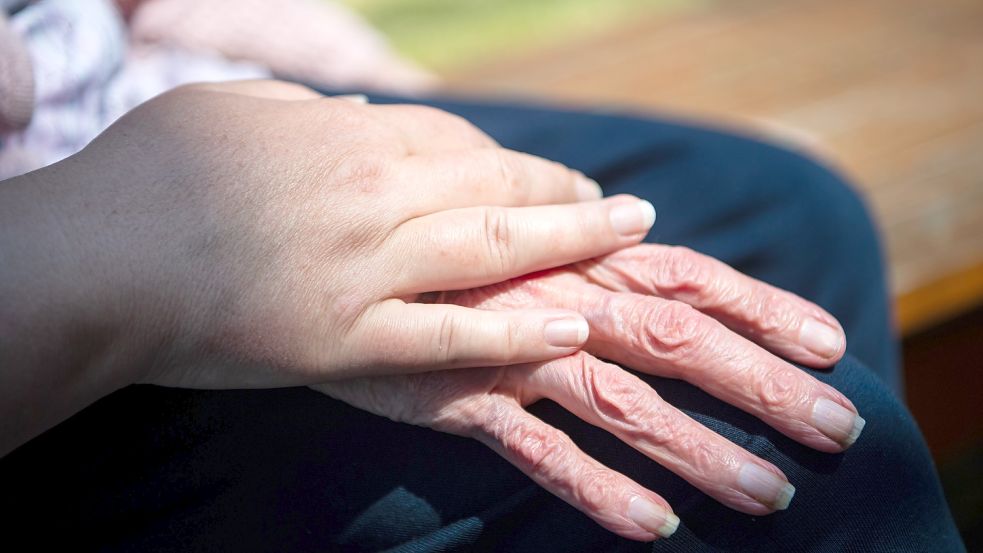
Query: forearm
{"points": [[59, 335]]}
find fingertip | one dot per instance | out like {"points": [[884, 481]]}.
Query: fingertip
{"points": [[587, 188], [632, 219], [770, 488], [569, 332], [649, 212], [822, 340], [353, 98], [652, 517], [837, 422]]}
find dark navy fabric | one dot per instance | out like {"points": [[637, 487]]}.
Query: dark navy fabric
{"points": [[155, 469]]}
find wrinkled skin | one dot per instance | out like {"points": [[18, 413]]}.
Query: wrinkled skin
{"points": [[640, 305], [258, 234]]}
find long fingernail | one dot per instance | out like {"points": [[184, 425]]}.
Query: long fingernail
{"points": [[631, 219], [838, 423], [820, 338], [587, 188], [765, 486], [652, 517], [566, 333]]}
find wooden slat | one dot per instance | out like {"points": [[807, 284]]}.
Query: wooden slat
{"points": [[940, 301], [891, 91]]}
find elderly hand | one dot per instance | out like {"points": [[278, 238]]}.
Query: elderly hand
{"points": [[665, 311]]}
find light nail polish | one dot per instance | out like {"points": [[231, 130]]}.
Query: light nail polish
{"points": [[652, 517], [838, 423], [631, 219], [587, 188], [566, 333], [765, 486], [820, 338]]}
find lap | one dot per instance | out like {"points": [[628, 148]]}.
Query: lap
{"points": [[151, 468], [162, 469]]}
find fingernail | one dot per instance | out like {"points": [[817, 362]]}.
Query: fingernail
{"points": [[587, 188], [838, 423], [354, 98], [566, 333], [652, 517], [820, 338], [632, 219], [765, 486]]}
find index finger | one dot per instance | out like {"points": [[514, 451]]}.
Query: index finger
{"points": [[490, 177]]}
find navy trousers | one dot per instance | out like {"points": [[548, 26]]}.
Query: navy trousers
{"points": [[155, 469]]}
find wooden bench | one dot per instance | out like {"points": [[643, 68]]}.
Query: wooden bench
{"points": [[891, 91]]}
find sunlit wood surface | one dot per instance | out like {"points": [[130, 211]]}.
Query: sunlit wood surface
{"points": [[889, 90]]}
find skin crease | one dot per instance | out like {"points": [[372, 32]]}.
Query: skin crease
{"points": [[270, 236], [628, 327]]}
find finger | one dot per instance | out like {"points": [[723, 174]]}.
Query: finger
{"points": [[490, 177], [427, 130], [778, 320], [414, 337], [613, 399], [553, 461], [672, 339], [353, 98], [262, 88], [465, 248]]}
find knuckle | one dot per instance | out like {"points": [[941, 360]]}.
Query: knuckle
{"points": [[359, 172], [494, 422], [702, 452], [556, 171], [455, 124], [683, 271], [511, 346], [673, 330], [366, 171], [779, 390], [704, 457], [597, 490], [540, 450], [472, 135], [499, 239], [445, 339], [662, 428], [511, 176], [774, 315], [617, 397]]}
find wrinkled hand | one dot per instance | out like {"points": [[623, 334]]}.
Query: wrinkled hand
{"points": [[259, 234], [665, 311]]}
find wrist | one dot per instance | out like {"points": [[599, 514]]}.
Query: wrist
{"points": [[63, 344]]}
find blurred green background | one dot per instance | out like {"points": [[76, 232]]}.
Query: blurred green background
{"points": [[444, 34]]}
